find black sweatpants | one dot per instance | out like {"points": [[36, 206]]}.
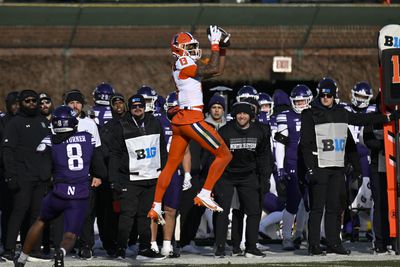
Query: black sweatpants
{"points": [[326, 191], [26, 200], [380, 219], [107, 220], [190, 214], [248, 189], [136, 201]]}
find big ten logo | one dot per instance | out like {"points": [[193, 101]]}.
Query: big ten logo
{"points": [[333, 144], [392, 41], [147, 153]]}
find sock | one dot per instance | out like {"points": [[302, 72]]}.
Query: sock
{"points": [[288, 220], [154, 246], [23, 257], [205, 192], [166, 243], [63, 251]]}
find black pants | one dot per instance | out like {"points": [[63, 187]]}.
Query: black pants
{"points": [[107, 220], [247, 186], [326, 191], [86, 239], [380, 220], [136, 201], [6, 206], [26, 200], [190, 214]]}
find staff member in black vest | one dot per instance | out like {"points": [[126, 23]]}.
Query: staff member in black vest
{"points": [[137, 154], [323, 141]]}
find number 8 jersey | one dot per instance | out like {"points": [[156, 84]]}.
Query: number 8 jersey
{"points": [[189, 86], [71, 159]]}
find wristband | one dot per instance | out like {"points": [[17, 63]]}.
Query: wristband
{"points": [[215, 47]]}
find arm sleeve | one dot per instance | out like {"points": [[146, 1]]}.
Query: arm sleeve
{"points": [[361, 119], [116, 152], [263, 159], [370, 140], [280, 148], [97, 167], [9, 144], [163, 145], [307, 139]]}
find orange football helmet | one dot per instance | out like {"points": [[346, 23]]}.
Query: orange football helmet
{"points": [[184, 44]]}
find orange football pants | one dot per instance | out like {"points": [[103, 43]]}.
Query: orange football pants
{"points": [[208, 138]]}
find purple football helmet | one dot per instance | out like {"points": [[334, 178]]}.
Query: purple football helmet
{"points": [[64, 119], [300, 93], [245, 92], [265, 99], [103, 93], [361, 94], [171, 101], [150, 95]]}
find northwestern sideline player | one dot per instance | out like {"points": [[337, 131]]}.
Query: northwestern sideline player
{"points": [[73, 156]]}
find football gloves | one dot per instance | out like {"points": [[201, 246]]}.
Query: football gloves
{"points": [[224, 37]]}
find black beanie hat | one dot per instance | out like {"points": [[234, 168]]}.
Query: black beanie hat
{"points": [[239, 107], [117, 96], [24, 94], [136, 98], [74, 95], [216, 99], [12, 98]]}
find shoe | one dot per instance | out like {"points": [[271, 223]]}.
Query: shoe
{"points": [[287, 245], [191, 249], [156, 216], [236, 252], [207, 202], [39, 257], [315, 250], [337, 249], [8, 255], [169, 252], [253, 253], [58, 258], [297, 242], [134, 248], [120, 254], [264, 235], [18, 264], [380, 251], [220, 252], [85, 253], [149, 254]]}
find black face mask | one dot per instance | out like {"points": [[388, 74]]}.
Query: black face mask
{"points": [[28, 111]]}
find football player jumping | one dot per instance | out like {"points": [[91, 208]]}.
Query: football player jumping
{"points": [[188, 122]]}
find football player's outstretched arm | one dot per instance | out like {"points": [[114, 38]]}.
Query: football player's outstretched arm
{"points": [[216, 64]]}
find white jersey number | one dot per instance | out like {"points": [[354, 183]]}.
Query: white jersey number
{"points": [[74, 154]]}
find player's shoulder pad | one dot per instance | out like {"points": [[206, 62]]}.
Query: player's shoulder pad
{"points": [[183, 62], [46, 142], [282, 117]]}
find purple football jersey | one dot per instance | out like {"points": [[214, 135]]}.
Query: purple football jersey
{"points": [[71, 164], [102, 114], [166, 124], [292, 123]]}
